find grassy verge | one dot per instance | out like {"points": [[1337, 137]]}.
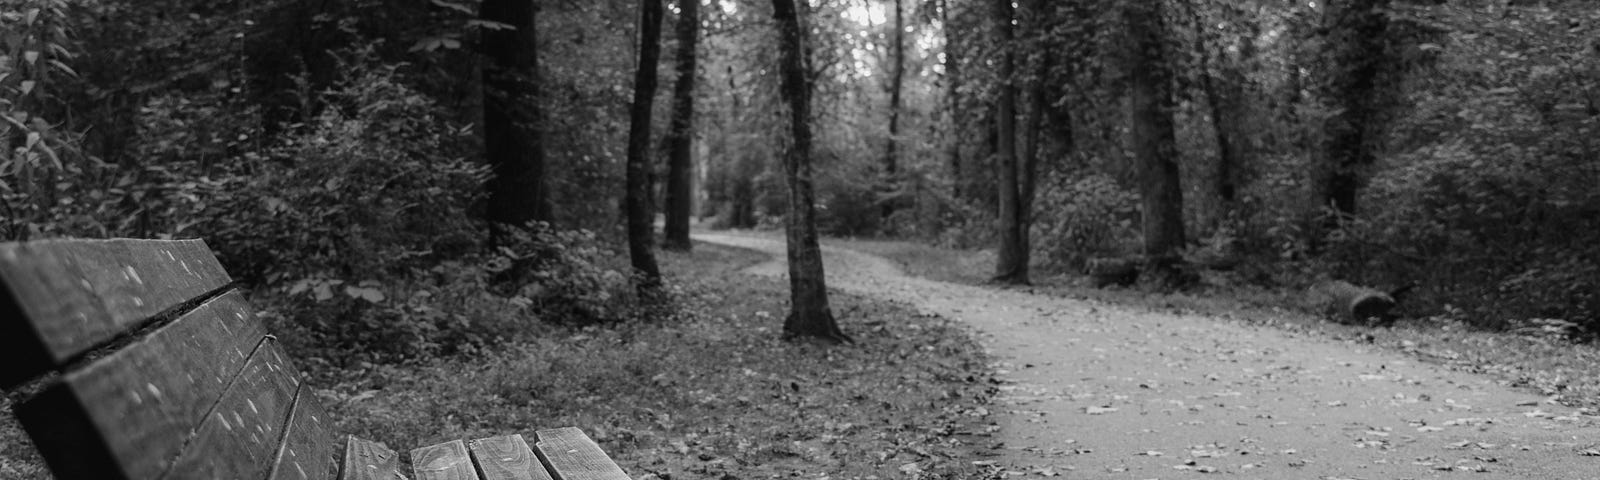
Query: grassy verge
{"points": [[710, 392], [1567, 372]]}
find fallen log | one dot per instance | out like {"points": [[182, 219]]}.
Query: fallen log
{"points": [[1350, 304]]}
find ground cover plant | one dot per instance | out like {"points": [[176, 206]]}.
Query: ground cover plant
{"points": [[708, 391]]}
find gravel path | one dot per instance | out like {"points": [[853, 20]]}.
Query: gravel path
{"points": [[1099, 391]]}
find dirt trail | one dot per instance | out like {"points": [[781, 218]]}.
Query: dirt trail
{"points": [[1099, 391]]}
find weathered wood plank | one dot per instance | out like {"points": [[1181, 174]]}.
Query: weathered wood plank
{"points": [[506, 458], [445, 461], [307, 450], [569, 454], [142, 401], [240, 435], [369, 460], [77, 294]]}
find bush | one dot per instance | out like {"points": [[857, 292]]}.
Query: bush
{"points": [[373, 186], [1082, 218]]}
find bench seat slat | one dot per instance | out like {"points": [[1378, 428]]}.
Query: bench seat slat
{"points": [[506, 458], [445, 461], [74, 295], [143, 400], [569, 454], [307, 451], [240, 435], [369, 460]]}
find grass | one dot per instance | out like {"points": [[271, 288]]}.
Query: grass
{"points": [[708, 392], [1567, 372]]}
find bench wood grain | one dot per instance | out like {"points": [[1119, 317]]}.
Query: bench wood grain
{"points": [[73, 295]]}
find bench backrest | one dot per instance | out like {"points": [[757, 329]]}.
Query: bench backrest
{"points": [[142, 362]]}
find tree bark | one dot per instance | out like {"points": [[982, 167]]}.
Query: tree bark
{"points": [[809, 315], [512, 116], [680, 139], [952, 93], [1011, 265], [1356, 43], [1224, 182], [636, 199], [1154, 141], [897, 75]]}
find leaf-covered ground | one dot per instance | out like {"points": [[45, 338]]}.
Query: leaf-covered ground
{"points": [[709, 393]]}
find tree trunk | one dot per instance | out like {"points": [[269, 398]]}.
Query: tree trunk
{"points": [[1356, 43], [809, 315], [1011, 266], [1224, 182], [680, 139], [1038, 102], [896, 82], [512, 117], [1154, 141], [952, 93], [637, 197]]}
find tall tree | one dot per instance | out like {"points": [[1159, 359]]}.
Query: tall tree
{"points": [[952, 93], [1224, 181], [897, 75], [809, 315], [1355, 50], [637, 197], [680, 138], [512, 118], [1012, 263], [1154, 139]]}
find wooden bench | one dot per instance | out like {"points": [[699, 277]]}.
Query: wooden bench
{"points": [[137, 359]]}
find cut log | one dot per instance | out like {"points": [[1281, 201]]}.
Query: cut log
{"points": [[1350, 304]]}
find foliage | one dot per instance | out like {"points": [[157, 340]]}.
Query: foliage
{"points": [[712, 394], [41, 169], [1086, 217]]}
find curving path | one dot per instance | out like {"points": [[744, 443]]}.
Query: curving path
{"points": [[1098, 391]]}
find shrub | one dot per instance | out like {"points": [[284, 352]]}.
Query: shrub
{"points": [[1082, 218]]}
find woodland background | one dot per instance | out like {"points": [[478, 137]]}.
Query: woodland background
{"points": [[349, 158]]}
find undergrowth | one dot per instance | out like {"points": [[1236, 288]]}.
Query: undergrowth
{"points": [[706, 392], [712, 393]]}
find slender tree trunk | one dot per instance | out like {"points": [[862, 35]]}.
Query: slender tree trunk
{"points": [[637, 197], [512, 120], [952, 94], [1011, 266], [1038, 106], [1224, 182], [680, 140], [1355, 42], [809, 315], [897, 75], [1154, 140]]}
